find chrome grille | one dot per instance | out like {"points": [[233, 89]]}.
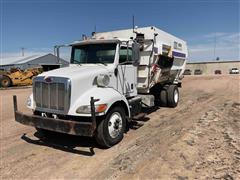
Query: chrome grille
{"points": [[54, 96]]}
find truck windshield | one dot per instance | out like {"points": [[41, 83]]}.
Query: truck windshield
{"points": [[93, 53]]}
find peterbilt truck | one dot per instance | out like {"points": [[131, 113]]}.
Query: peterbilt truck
{"points": [[111, 78]]}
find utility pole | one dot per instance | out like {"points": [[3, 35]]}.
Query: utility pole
{"points": [[22, 50], [215, 43]]}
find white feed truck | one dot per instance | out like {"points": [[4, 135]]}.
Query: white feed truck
{"points": [[112, 75]]}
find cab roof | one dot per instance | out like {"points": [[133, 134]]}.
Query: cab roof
{"points": [[98, 41]]}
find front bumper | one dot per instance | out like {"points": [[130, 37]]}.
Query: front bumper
{"points": [[57, 125]]}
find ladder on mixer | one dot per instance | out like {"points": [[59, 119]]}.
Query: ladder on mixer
{"points": [[144, 68]]}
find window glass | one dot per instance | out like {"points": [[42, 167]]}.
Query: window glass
{"points": [[77, 54], [123, 54], [93, 53]]}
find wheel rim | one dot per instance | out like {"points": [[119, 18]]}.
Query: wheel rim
{"points": [[176, 96], [115, 124]]}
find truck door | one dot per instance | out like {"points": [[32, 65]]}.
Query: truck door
{"points": [[127, 73]]}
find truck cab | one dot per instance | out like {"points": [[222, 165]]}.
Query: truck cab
{"points": [[98, 83]]}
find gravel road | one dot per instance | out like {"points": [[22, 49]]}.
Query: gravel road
{"points": [[198, 139]]}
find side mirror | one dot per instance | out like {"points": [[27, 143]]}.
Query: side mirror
{"points": [[135, 53]]}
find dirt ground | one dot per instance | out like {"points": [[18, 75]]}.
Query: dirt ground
{"points": [[200, 139]]}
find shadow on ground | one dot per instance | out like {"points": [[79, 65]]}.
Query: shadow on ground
{"points": [[139, 122], [64, 142]]}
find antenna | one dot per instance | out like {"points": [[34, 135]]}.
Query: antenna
{"points": [[22, 50], [94, 31]]}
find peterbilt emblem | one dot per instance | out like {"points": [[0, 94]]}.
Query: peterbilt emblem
{"points": [[48, 79]]}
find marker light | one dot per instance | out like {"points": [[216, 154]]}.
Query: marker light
{"points": [[87, 109]]}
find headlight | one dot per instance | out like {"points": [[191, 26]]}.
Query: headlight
{"points": [[103, 80], [29, 102], [87, 109]]}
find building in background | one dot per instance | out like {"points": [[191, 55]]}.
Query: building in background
{"points": [[213, 67], [47, 62]]}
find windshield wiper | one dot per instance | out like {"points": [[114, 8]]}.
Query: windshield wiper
{"points": [[101, 62], [76, 62], [126, 62]]}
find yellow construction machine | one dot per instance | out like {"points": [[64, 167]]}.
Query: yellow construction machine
{"points": [[17, 77]]}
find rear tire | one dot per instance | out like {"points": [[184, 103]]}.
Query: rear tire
{"points": [[163, 98], [160, 95], [172, 96], [111, 130], [5, 81]]}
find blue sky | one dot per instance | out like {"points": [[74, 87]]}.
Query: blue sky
{"points": [[39, 25]]}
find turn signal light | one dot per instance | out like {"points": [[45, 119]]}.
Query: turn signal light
{"points": [[101, 108]]}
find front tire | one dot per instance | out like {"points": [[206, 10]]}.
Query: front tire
{"points": [[5, 81], [111, 130]]}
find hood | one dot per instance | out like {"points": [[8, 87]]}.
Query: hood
{"points": [[81, 76], [74, 72]]}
